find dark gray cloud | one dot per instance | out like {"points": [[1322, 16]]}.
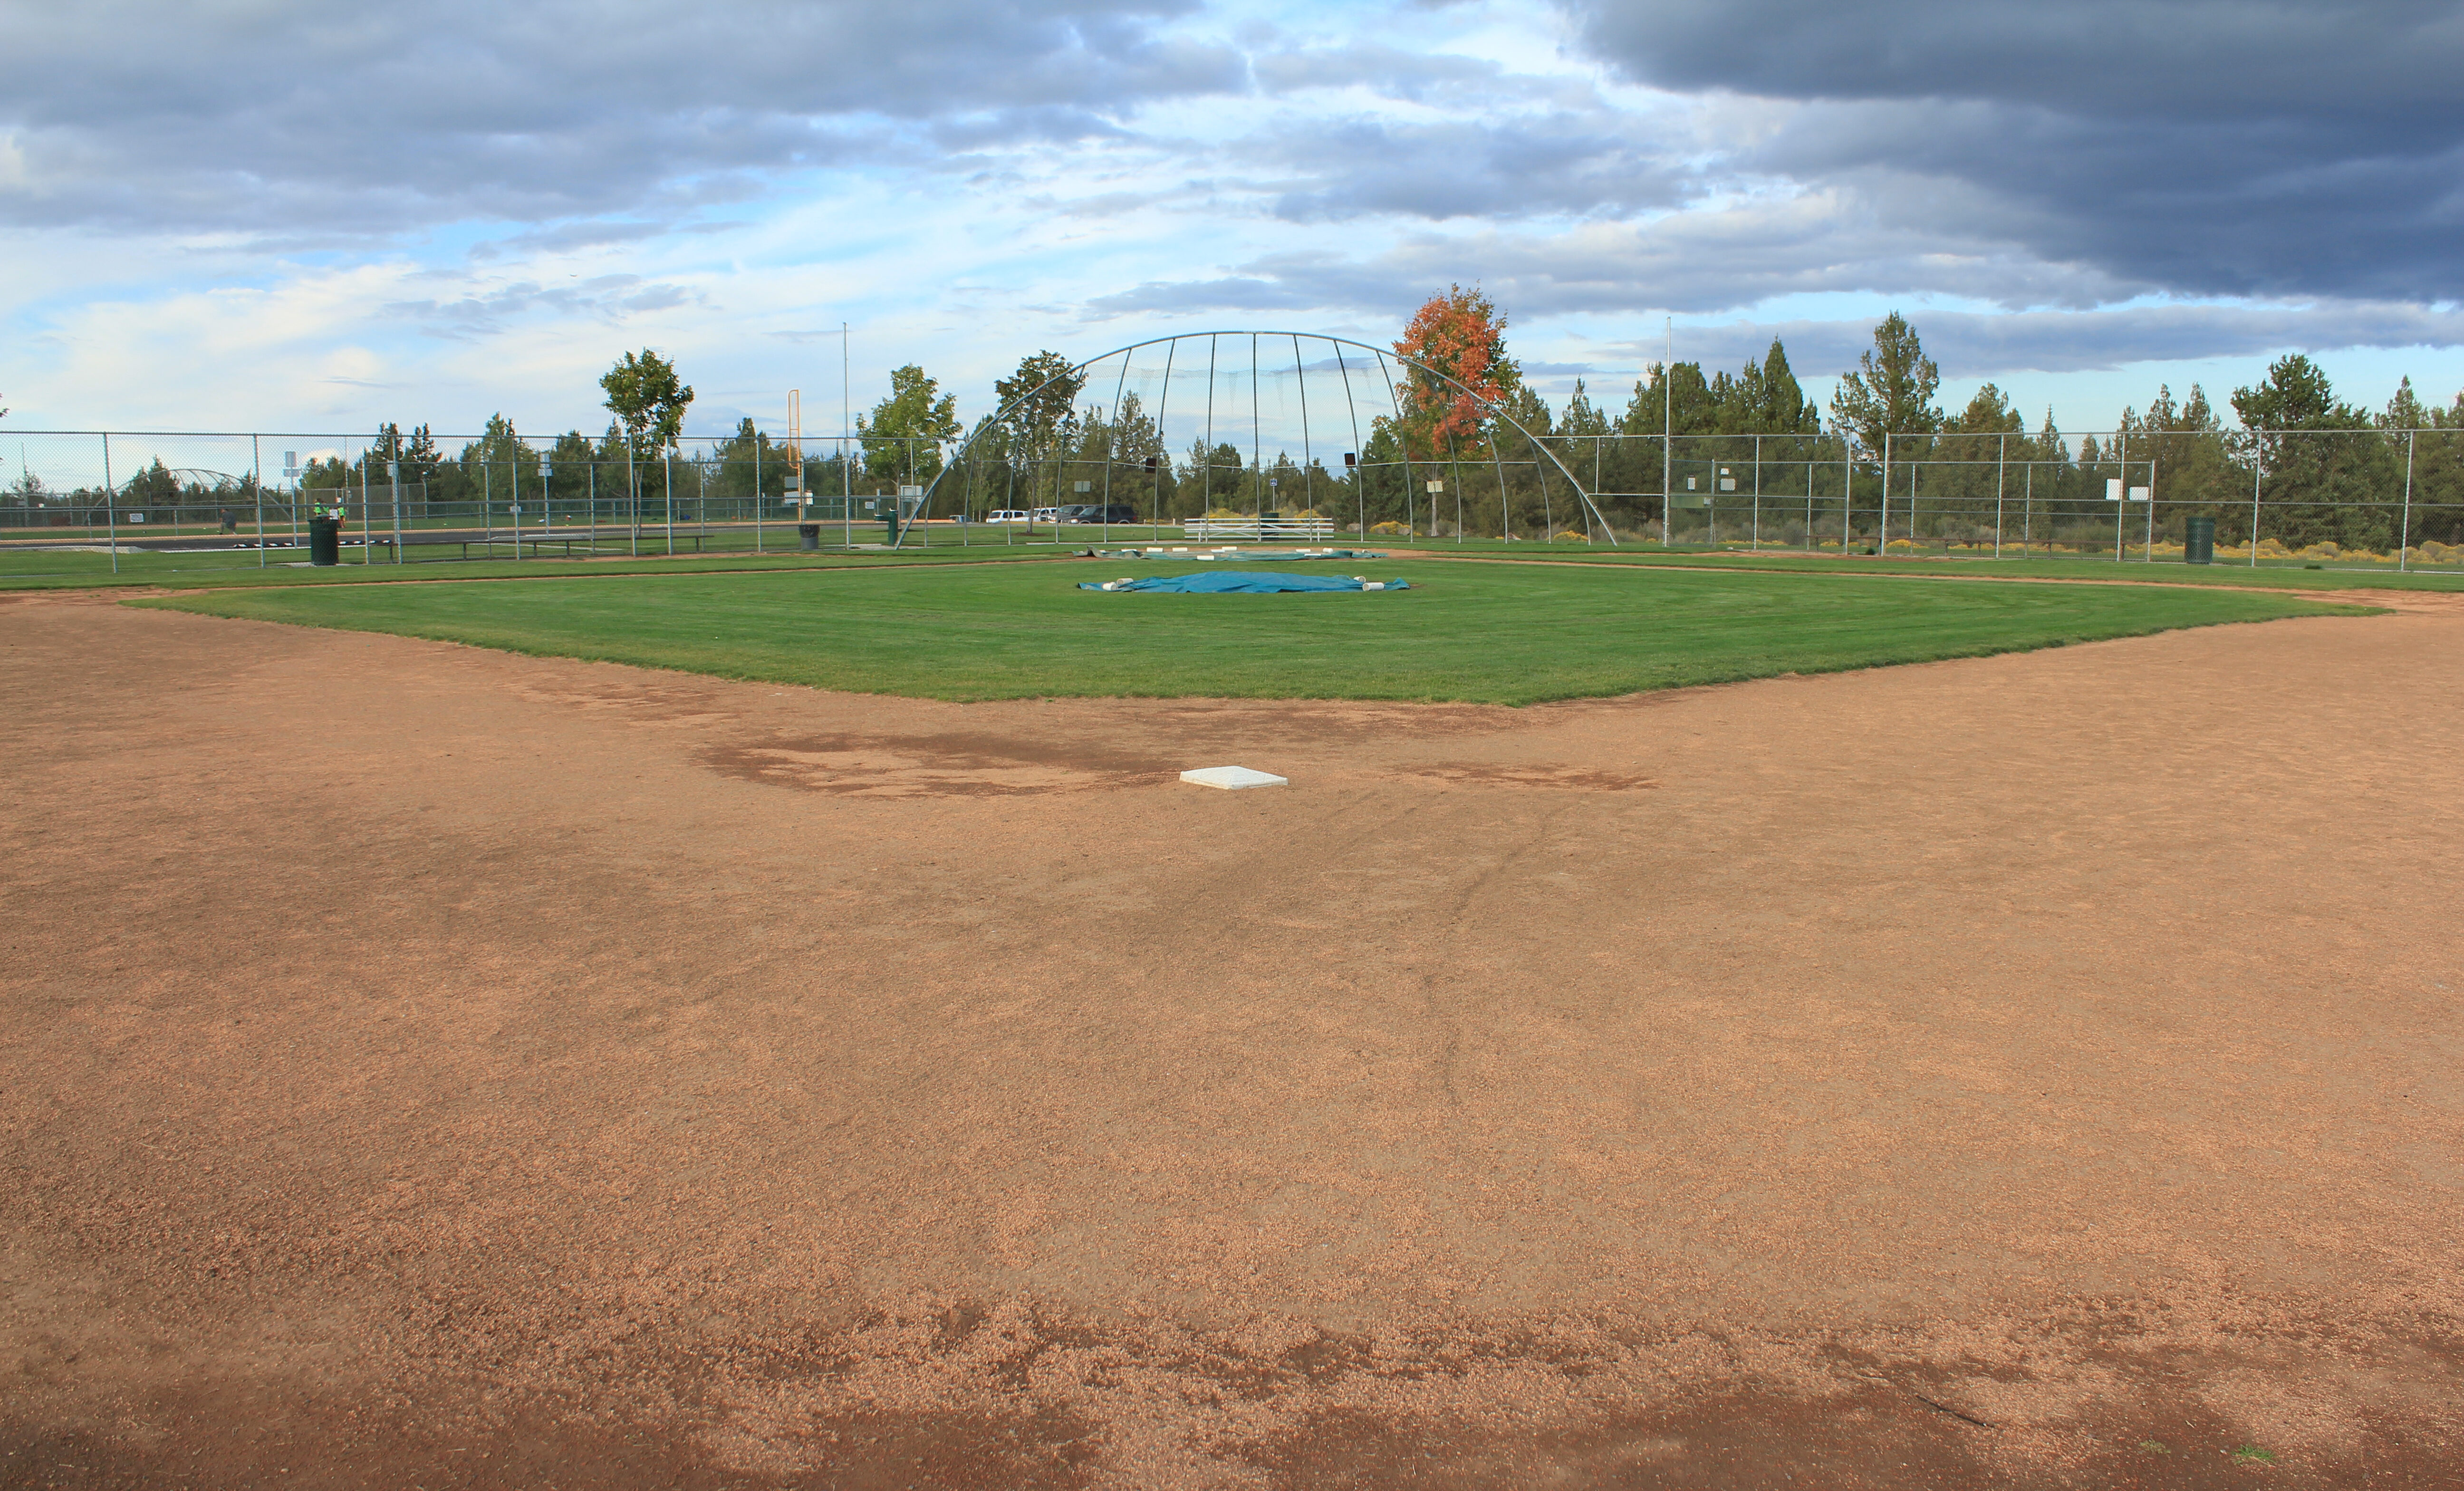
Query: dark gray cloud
{"points": [[1532, 165], [1972, 344], [2210, 147], [1698, 263], [155, 114]]}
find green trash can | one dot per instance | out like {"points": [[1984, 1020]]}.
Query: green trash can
{"points": [[325, 541], [2199, 541]]}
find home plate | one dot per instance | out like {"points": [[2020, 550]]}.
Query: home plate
{"points": [[1232, 776]]}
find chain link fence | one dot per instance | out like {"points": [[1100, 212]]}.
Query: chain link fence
{"points": [[2360, 499]]}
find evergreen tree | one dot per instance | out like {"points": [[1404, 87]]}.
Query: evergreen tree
{"points": [[1891, 392]]}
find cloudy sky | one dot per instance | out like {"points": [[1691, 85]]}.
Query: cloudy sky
{"points": [[316, 214]]}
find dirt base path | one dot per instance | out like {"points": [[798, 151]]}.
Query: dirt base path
{"points": [[427, 1066]]}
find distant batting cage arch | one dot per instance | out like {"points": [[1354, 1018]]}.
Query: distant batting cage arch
{"points": [[1256, 434]]}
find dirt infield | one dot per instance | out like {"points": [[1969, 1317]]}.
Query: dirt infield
{"points": [[422, 1066]]}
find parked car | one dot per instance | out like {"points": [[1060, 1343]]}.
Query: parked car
{"points": [[1006, 515], [1099, 512]]}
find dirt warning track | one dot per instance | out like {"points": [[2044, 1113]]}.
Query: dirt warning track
{"points": [[426, 1066]]}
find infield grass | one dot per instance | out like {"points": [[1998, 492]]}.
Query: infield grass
{"points": [[1499, 634]]}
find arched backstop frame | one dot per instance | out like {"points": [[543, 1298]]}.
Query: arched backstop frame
{"points": [[1491, 407]]}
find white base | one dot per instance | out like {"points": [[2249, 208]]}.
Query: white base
{"points": [[1232, 777]]}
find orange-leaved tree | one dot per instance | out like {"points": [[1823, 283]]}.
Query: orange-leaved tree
{"points": [[1461, 335]]}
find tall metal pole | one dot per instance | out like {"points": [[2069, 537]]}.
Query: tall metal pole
{"points": [[256, 473], [1758, 493], [760, 498], [2404, 533], [2257, 466], [393, 477], [847, 424], [514, 481], [668, 467]]}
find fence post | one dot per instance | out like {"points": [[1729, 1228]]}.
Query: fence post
{"points": [[2001, 474], [1758, 493], [2257, 466], [2122, 468], [2028, 512], [256, 475], [2148, 556], [1883, 543], [110, 509], [2403, 532]]}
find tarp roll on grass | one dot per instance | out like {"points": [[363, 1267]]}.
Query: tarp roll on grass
{"points": [[1245, 582]]}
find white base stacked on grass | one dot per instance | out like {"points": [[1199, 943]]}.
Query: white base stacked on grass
{"points": [[1231, 777], [1261, 530]]}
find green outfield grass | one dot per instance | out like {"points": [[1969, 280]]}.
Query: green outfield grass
{"points": [[22, 567], [1491, 633]]}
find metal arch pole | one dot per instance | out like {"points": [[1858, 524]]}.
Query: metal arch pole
{"points": [[2404, 530], [1300, 375], [1257, 440], [1504, 524], [1112, 444], [1455, 479], [1207, 467], [1403, 443], [1163, 444], [1359, 477]]}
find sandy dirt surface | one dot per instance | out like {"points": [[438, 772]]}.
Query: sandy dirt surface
{"points": [[422, 1066]]}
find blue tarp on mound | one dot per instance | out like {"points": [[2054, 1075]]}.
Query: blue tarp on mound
{"points": [[1243, 581]]}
